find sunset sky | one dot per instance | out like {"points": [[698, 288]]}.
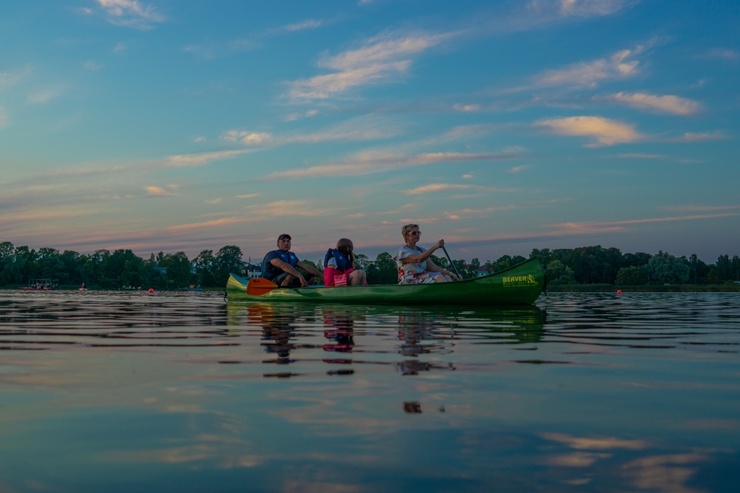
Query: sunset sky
{"points": [[500, 126]]}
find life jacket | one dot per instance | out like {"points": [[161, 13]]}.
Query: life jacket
{"points": [[269, 271], [341, 259]]}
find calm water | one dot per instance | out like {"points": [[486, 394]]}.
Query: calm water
{"points": [[184, 392]]}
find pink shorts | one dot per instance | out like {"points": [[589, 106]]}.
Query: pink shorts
{"points": [[332, 277]]}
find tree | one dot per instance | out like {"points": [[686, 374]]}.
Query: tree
{"points": [[558, 273], [666, 268], [205, 268], [383, 270], [635, 275], [228, 260], [178, 269]]}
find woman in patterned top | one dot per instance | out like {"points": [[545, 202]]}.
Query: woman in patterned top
{"points": [[415, 265]]}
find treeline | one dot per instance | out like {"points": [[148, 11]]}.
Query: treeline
{"points": [[122, 269]]}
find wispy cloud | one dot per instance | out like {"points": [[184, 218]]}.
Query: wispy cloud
{"points": [[157, 191], [379, 60], [700, 136], [282, 208], [43, 96], [466, 108], [604, 132], [620, 65], [594, 227], [189, 160], [666, 104], [130, 13], [9, 78], [724, 54], [246, 137], [358, 129], [591, 8], [378, 162], [639, 155], [213, 223], [439, 187], [699, 208], [303, 25]]}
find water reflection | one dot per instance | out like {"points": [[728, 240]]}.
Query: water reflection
{"points": [[189, 390]]}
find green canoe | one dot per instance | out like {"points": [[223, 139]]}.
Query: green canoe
{"points": [[518, 285]]}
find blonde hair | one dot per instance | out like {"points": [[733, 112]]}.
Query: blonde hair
{"points": [[407, 228]]}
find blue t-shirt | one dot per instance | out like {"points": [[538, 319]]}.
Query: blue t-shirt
{"points": [[269, 271]]}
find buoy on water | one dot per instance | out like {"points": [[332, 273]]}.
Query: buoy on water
{"points": [[619, 291], [151, 290]]}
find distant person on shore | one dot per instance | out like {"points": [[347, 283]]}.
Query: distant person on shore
{"points": [[415, 265], [281, 266], [339, 266]]}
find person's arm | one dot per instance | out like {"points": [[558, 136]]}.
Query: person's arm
{"points": [[432, 267], [309, 268], [422, 256], [286, 267]]}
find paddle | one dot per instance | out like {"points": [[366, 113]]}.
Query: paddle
{"points": [[450, 260], [259, 286]]}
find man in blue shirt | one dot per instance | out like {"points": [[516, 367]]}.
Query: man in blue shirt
{"points": [[279, 266]]}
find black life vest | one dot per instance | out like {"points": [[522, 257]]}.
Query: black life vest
{"points": [[341, 259]]}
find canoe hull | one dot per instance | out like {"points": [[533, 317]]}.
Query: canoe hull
{"points": [[518, 285]]}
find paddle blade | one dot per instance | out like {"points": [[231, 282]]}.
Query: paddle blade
{"points": [[259, 286]]}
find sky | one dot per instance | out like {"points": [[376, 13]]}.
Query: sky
{"points": [[498, 126]]}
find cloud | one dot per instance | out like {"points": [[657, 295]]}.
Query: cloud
{"points": [[378, 162], [213, 223], [666, 104], [466, 108], [282, 208], [596, 443], [620, 65], [10, 78], [590, 8], [130, 13], [355, 129], [166, 191], [379, 60], [187, 160], [246, 137], [699, 208], [600, 227], [605, 132], [91, 66], [301, 26], [519, 169], [438, 187], [724, 54], [700, 136], [44, 96], [297, 116]]}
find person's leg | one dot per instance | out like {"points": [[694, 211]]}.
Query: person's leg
{"points": [[357, 278], [284, 280]]}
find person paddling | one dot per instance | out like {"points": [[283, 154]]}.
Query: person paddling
{"points": [[415, 265]]}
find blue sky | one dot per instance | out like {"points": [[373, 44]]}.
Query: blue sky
{"points": [[500, 126]]}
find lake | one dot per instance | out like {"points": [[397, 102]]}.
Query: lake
{"points": [[597, 392]]}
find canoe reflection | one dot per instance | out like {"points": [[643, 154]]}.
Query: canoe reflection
{"points": [[351, 338]]}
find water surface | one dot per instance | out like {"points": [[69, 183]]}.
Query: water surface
{"points": [[186, 392]]}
